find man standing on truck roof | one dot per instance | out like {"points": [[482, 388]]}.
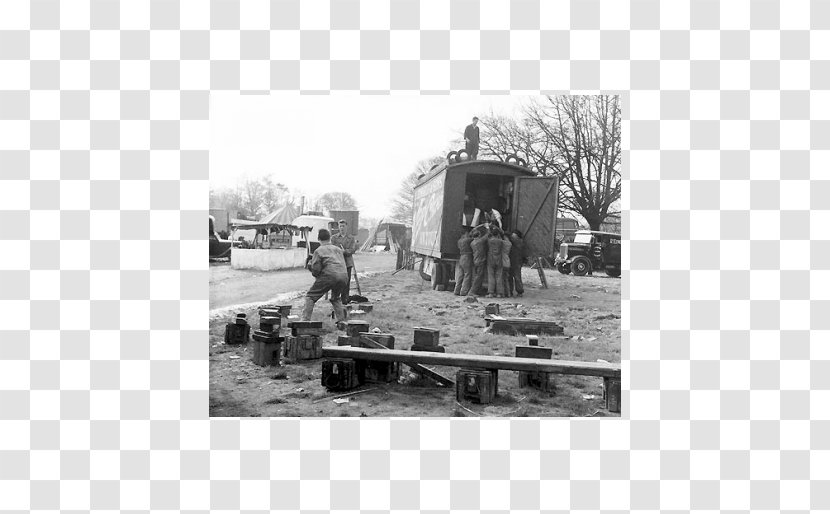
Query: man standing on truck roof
{"points": [[347, 242], [494, 264], [329, 269], [479, 247], [464, 268], [471, 139]]}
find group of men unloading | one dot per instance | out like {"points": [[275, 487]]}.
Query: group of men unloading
{"points": [[486, 248]]}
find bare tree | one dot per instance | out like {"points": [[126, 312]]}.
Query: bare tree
{"points": [[574, 137], [336, 201], [274, 195], [402, 205]]}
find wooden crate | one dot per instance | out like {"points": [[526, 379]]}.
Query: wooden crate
{"points": [[299, 348], [340, 374], [266, 354], [478, 386]]}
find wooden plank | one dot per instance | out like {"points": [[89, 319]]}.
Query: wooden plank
{"points": [[441, 379], [596, 369]]}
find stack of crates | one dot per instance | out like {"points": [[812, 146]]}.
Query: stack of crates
{"points": [[238, 331], [305, 341], [267, 341]]}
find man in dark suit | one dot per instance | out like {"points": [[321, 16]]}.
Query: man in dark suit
{"points": [[471, 139]]}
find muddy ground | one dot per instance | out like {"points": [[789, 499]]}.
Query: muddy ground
{"points": [[587, 307]]}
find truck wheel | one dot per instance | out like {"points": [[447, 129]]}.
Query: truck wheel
{"points": [[458, 156], [522, 163], [451, 156], [581, 266], [512, 159], [612, 271], [563, 268]]}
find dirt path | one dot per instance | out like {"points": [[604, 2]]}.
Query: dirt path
{"points": [[230, 286], [587, 307]]}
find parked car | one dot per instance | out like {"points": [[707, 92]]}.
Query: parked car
{"points": [[590, 250]]}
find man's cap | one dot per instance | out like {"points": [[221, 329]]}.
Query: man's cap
{"points": [[343, 221], [475, 118]]}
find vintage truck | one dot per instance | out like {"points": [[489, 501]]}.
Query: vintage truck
{"points": [[526, 201]]}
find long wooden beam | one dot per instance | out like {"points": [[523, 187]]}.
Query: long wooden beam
{"points": [[463, 360]]}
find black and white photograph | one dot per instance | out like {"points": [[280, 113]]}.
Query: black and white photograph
{"points": [[415, 256]]}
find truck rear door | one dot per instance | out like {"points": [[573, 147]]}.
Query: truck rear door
{"points": [[536, 203]]}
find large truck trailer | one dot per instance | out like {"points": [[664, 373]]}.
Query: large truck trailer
{"points": [[526, 202]]}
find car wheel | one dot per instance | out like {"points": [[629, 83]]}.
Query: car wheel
{"points": [[612, 271], [581, 266], [563, 268]]}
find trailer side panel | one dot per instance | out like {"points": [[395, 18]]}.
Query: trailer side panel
{"points": [[428, 215]]}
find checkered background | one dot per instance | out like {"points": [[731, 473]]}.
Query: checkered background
{"points": [[104, 140]]}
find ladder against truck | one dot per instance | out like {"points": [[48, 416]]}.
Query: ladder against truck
{"points": [[527, 202]]}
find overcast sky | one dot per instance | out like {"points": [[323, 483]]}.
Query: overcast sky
{"points": [[363, 145]]}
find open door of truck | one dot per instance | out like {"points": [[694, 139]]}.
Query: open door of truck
{"points": [[536, 203]]}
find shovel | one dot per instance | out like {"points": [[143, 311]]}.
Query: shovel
{"points": [[356, 281]]}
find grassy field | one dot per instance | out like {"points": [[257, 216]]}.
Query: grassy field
{"points": [[587, 307]]}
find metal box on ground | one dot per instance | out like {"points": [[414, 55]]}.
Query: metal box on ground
{"points": [[387, 340], [532, 340], [340, 374], [426, 336], [534, 352], [266, 354], [306, 328], [491, 309], [355, 326], [299, 348], [475, 385], [348, 341]]}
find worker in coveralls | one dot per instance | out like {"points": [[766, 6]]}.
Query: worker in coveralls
{"points": [[329, 269], [347, 242], [506, 246], [494, 267], [514, 279], [471, 139], [464, 268], [479, 247]]}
